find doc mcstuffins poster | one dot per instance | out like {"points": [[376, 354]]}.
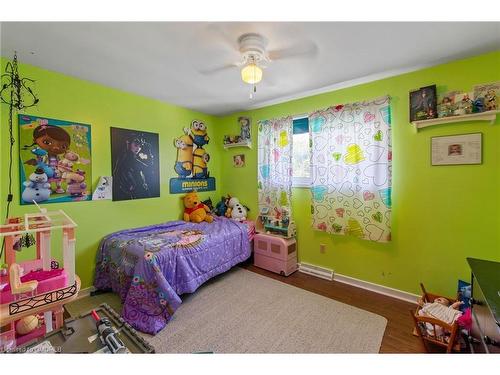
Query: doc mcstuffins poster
{"points": [[55, 160]]}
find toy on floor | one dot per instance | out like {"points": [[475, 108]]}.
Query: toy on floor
{"points": [[440, 309], [236, 210], [35, 287], [195, 211], [107, 334], [436, 320], [27, 324]]}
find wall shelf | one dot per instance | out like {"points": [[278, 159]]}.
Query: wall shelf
{"points": [[239, 144], [482, 116]]}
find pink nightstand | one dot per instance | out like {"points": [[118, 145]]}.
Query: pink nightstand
{"points": [[275, 253]]}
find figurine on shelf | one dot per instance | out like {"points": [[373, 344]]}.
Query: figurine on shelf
{"points": [[463, 104], [245, 128], [285, 218], [478, 105], [490, 100], [244, 138], [467, 103]]}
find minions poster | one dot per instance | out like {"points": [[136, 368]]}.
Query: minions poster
{"points": [[191, 164], [55, 160], [135, 164]]}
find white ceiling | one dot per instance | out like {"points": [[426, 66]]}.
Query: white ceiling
{"points": [[163, 60]]}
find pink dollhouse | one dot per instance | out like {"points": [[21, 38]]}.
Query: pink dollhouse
{"points": [[33, 292]]}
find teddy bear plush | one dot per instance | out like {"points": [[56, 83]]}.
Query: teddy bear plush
{"points": [[195, 210]]}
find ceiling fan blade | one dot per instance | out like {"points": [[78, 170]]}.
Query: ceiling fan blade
{"points": [[304, 49], [219, 69], [217, 30]]}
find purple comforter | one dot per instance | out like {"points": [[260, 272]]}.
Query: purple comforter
{"points": [[150, 267]]}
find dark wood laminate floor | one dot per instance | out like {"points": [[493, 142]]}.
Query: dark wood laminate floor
{"points": [[398, 336]]}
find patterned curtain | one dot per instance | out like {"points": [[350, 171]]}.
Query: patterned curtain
{"points": [[351, 169], [275, 164]]}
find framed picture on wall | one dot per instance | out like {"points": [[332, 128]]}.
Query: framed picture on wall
{"points": [[239, 161], [457, 149], [55, 160], [135, 164], [423, 103]]}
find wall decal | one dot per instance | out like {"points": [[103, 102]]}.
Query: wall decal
{"points": [[104, 189], [191, 164]]}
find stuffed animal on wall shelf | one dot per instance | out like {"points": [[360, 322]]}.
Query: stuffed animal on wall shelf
{"points": [[194, 210]]}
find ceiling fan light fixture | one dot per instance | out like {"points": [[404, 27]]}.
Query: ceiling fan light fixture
{"points": [[251, 74]]}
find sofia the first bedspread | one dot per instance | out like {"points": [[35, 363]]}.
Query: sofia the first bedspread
{"points": [[150, 267]]}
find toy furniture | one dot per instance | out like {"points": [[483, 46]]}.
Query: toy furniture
{"points": [[434, 330], [36, 288], [16, 285], [275, 253], [278, 222]]}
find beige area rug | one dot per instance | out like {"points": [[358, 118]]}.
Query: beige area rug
{"points": [[243, 312]]}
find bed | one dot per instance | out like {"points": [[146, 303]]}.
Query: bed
{"points": [[150, 267]]}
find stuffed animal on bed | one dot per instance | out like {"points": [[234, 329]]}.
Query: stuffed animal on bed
{"points": [[195, 210], [236, 210], [221, 207]]}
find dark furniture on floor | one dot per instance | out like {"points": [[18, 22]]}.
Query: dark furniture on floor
{"points": [[484, 336]]}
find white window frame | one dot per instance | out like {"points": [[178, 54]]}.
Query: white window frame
{"points": [[301, 182]]}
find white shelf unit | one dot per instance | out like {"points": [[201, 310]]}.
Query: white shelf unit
{"points": [[482, 116], [239, 144]]}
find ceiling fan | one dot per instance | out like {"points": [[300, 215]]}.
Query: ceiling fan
{"points": [[255, 56]]}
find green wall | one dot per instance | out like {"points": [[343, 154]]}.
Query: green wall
{"points": [[441, 214], [67, 98]]}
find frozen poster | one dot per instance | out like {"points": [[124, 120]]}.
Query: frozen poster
{"points": [[135, 164], [55, 160]]}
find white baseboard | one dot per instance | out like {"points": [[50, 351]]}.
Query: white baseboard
{"points": [[321, 272], [328, 274], [380, 289]]}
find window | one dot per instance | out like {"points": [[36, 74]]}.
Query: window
{"points": [[301, 158]]}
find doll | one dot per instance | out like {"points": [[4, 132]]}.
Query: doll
{"points": [[440, 309]]}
